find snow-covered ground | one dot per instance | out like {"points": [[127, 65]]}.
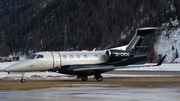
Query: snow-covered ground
{"points": [[168, 42], [163, 67], [52, 75]]}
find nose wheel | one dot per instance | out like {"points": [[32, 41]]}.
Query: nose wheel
{"points": [[23, 80]]}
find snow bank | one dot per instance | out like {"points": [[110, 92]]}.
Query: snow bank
{"points": [[53, 75], [163, 67], [6, 64]]}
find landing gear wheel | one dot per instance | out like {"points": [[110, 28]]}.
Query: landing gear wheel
{"points": [[85, 78], [99, 79], [23, 80], [98, 76]]}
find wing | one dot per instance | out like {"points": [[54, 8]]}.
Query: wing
{"points": [[114, 67]]}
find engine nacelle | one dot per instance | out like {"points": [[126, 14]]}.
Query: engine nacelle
{"points": [[118, 55]]}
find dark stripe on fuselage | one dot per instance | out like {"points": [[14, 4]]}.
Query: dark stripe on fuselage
{"points": [[53, 59], [60, 58]]}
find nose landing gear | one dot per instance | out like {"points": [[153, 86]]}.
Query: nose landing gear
{"points": [[23, 80]]}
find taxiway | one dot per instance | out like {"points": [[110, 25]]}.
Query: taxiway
{"points": [[156, 85]]}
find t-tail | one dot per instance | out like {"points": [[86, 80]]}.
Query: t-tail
{"points": [[141, 40], [137, 47]]}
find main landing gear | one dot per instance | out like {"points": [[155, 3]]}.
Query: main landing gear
{"points": [[23, 80], [84, 78], [99, 79], [97, 76]]}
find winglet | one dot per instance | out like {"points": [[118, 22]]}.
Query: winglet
{"points": [[161, 61]]}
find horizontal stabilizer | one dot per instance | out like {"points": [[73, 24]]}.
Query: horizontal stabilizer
{"points": [[155, 28]]}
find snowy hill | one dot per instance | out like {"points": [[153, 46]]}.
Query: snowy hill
{"points": [[168, 43]]}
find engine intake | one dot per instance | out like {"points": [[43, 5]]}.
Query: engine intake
{"points": [[118, 55]]}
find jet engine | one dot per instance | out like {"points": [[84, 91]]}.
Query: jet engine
{"points": [[118, 55]]}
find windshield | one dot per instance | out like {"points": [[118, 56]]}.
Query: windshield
{"points": [[40, 56], [32, 56]]}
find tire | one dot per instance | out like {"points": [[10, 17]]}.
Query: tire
{"points": [[99, 79], [85, 78], [23, 80]]}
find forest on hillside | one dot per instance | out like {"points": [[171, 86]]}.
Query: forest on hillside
{"points": [[40, 25]]}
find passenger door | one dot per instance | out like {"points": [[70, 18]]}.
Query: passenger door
{"points": [[56, 60]]}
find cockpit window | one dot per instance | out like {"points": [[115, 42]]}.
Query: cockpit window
{"points": [[32, 56], [40, 56]]}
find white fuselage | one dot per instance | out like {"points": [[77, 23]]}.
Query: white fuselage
{"points": [[52, 60], [82, 57]]}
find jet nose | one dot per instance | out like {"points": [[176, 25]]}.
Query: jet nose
{"points": [[11, 69]]}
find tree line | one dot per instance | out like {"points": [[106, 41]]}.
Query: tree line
{"points": [[38, 25]]}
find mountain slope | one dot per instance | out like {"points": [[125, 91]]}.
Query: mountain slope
{"points": [[169, 43], [39, 25]]}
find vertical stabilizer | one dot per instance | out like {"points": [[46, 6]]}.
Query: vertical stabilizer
{"points": [[141, 40]]}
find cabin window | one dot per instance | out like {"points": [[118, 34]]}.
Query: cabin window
{"points": [[40, 56], [78, 56], [96, 56], [71, 56], [64, 57], [85, 56], [32, 56]]}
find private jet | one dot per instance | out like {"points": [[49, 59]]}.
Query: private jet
{"points": [[88, 63]]}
